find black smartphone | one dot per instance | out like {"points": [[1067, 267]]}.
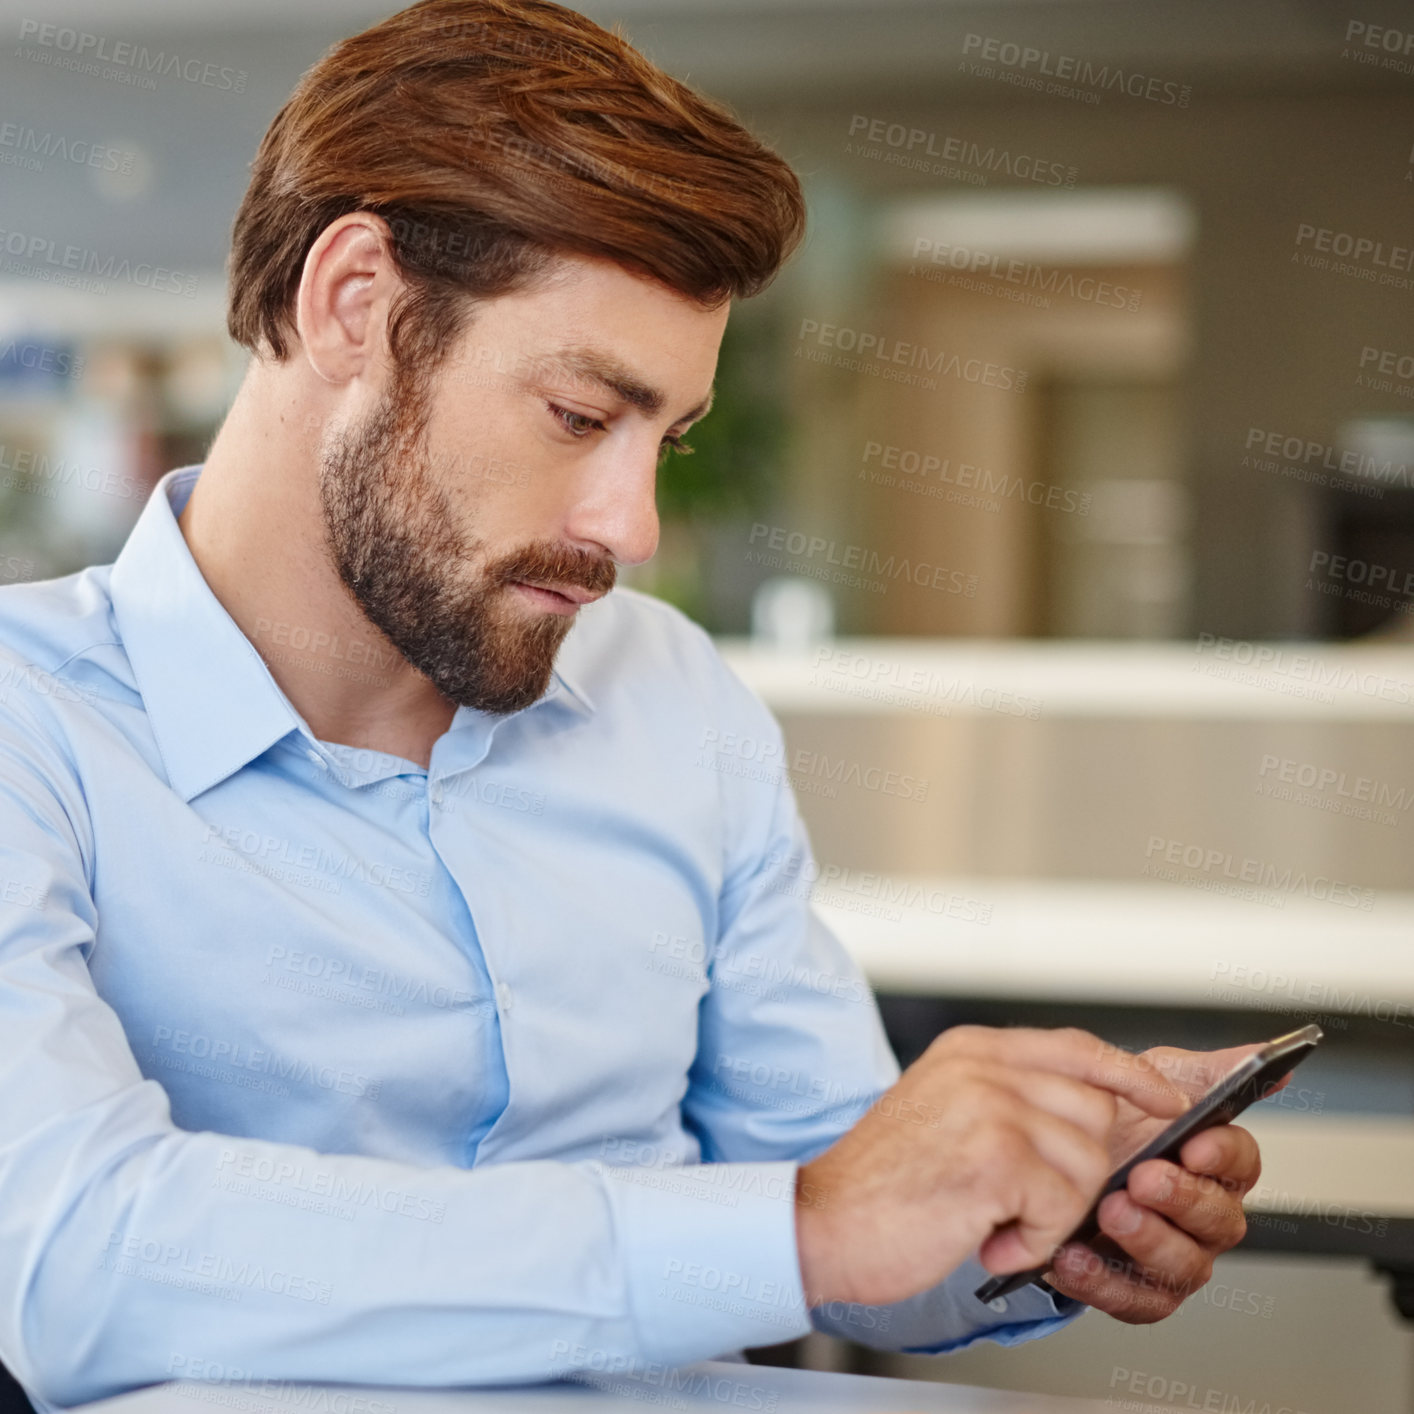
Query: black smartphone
{"points": [[1251, 1080]]}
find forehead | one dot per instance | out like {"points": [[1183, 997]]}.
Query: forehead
{"points": [[593, 324]]}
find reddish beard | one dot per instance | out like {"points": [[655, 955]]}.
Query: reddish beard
{"points": [[400, 553]]}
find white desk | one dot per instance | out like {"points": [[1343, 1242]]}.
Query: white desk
{"points": [[712, 1385]]}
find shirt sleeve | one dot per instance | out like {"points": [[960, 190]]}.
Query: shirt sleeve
{"points": [[792, 1048], [133, 1252]]}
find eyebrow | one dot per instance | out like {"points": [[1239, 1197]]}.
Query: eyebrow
{"points": [[598, 367]]}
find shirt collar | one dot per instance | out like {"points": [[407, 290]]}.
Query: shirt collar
{"points": [[212, 702]]}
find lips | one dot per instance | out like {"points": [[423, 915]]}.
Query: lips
{"points": [[562, 599], [573, 592]]}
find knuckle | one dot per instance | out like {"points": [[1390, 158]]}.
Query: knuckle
{"points": [[1238, 1230], [1104, 1104], [1197, 1272], [962, 1038], [1005, 1147], [1078, 1037]]}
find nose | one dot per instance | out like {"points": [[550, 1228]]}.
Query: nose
{"points": [[618, 509]]}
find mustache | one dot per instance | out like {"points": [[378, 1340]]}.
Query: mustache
{"points": [[556, 564]]}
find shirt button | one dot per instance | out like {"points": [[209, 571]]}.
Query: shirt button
{"points": [[437, 793], [997, 1304], [503, 996]]}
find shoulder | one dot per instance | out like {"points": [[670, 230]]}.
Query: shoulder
{"points": [[59, 645]]}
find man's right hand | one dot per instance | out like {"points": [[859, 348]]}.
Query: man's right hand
{"points": [[992, 1139]]}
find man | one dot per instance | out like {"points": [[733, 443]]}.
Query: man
{"points": [[395, 991]]}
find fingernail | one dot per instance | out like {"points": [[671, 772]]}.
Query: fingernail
{"points": [[1124, 1217], [1165, 1189]]}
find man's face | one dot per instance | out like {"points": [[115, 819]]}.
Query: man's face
{"points": [[470, 518]]}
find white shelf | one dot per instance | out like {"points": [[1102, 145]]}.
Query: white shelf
{"points": [[1127, 944], [960, 677]]}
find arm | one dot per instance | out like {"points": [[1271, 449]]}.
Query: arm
{"points": [[978, 1160], [133, 1252], [792, 1053]]}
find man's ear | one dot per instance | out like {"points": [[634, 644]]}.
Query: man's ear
{"points": [[345, 292]]}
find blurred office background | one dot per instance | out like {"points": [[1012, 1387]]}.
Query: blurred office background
{"points": [[1066, 472]]}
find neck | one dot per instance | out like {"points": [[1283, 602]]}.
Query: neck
{"points": [[255, 528]]}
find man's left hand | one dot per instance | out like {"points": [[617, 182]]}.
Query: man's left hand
{"points": [[1172, 1220]]}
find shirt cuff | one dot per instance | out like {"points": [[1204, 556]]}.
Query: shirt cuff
{"points": [[710, 1253], [948, 1317], [1027, 1314]]}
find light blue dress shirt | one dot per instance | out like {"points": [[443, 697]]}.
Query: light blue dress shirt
{"points": [[319, 1065]]}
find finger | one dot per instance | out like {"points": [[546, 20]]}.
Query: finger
{"points": [[1196, 1072], [1085, 1106], [1048, 1206], [1078, 1054], [1198, 1205], [1108, 1285], [1065, 1147], [1166, 1257], [1227, 1153]]}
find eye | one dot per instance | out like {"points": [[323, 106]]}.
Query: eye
{"points": [[675, 444], [577, 424]]}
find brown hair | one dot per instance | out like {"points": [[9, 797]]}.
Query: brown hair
{"points": [[493, 135]]}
